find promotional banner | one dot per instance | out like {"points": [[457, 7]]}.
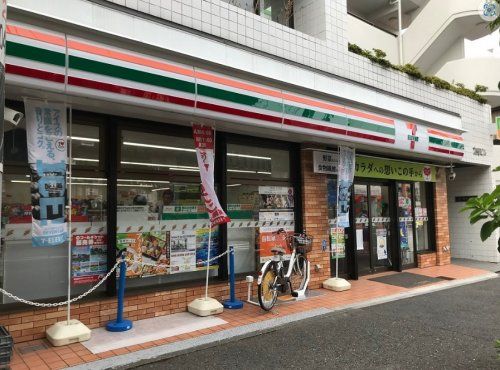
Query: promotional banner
{"points": [[182, 251], [337, 242], [88, 258], [47, 158], [345, 180], [204, 144], [395, 170]]}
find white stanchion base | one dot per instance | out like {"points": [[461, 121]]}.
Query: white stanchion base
{"points": [[63, 333], [336, 284], [205, 307]]}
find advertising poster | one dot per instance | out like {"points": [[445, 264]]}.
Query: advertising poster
{"points": [[337, 242], [148, 247], [403, 235], [381, 244], [276, 203], [155, 251], [47, 157], [276, 197], [130, 244], [345, 180], [88, 258], [202, 247], [182, 251], [268, 239]]}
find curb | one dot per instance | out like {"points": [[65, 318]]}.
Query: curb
{"points": [[170, 350]]}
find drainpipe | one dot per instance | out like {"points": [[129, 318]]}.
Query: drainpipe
{"points": [[400, 36]]}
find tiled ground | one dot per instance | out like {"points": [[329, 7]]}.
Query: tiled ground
{"points": [[362, 289]]}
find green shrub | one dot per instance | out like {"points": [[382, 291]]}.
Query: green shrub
{"points": [[378, 56], [480, 88]]}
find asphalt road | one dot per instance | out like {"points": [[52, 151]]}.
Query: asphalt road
{"points": [[450, 329]]}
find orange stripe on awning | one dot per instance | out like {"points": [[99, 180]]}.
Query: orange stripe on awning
{"points": [[92, 49], [36, 35], [445, 134]]}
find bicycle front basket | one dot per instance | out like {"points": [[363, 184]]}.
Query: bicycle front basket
{"points": [[304, 243]]}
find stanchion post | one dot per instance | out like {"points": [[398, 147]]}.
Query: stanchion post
{"points": [[232, 303], [120, 324]]}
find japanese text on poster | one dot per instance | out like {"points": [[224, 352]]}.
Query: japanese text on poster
{"points": [[88, 258], [47, 158]]}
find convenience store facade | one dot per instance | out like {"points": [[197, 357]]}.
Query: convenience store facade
{"points": [[139, 177]]}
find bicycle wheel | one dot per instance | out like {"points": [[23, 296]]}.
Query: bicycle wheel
{"points": [[299, 273], [267, 291]]}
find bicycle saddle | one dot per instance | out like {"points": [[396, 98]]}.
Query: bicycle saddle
{"points": [[277, 250]]}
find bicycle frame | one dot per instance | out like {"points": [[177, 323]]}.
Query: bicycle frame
{"points": [[299, 294]]}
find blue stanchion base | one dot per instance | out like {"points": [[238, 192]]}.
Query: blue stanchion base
{"points": [[233, 304], [124, 325]]}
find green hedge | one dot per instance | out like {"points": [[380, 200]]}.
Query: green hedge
{"points": [[378, 56]]}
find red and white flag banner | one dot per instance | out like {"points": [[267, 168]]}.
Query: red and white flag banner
{"points": [[204, 144]]}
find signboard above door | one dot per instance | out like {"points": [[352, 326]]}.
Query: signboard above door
{"points": [[382, 168]]}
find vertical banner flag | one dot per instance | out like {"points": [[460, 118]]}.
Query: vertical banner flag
{"points": [[47, 158], [204, 144], [345, 180]]}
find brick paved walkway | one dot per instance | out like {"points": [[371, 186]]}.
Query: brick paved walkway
{"points": [[47, 357]]}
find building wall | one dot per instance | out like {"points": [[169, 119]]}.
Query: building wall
{"points": [[465, 240], [315, 217]]}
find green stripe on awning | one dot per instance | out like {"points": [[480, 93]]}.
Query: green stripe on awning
{"points": [[130, 74], [34, 53], [446, 143], [312, 114], [234, 97], [371, 127]]}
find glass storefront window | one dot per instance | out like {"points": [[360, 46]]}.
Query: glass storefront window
{"points": [[48, 265], [421, 217], [258, 190], [161, 217]]}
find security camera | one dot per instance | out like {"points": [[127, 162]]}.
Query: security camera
{"points": [[452, 174], [12, 116]]}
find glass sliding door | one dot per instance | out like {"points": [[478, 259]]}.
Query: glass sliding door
{"points": [[362, 230], [406, 224], [380, 226]]}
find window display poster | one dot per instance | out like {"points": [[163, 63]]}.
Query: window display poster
{"points": [[359, 240], [155, 253], [268, 239], [276, 197], [276, 216], [202, 247], [337, 242], [403, 235], [47, 157], [88, 258], [182, 251], [149, 248], [381, 244]]}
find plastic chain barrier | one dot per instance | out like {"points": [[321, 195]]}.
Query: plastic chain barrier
{"points": [[37, 304], [163, 265]]}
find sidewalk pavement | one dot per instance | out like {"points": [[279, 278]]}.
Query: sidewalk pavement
{"points": [[250, 320]]}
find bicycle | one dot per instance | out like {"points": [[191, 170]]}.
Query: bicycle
{"points": [[272, 277]]}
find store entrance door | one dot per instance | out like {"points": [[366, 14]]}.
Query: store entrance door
{"points": [[405, 225], [372, 217]]}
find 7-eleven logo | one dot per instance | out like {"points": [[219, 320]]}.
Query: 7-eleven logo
{"points": [[413, 138]]}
